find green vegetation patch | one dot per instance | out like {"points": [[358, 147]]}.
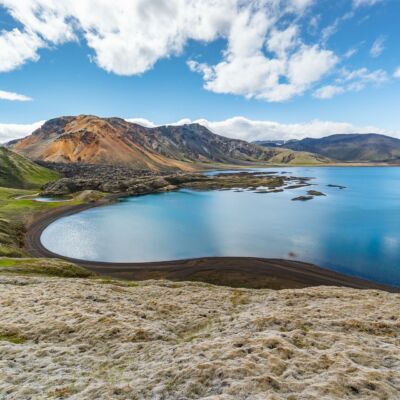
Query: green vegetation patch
{"points": [[12, 337], [43, 267], [8, 251], [19, 172]]}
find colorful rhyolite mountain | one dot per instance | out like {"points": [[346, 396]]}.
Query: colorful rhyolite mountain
{"points": [[92, 140]]}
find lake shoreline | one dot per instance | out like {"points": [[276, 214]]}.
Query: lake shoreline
{"points": [[250, 272]]}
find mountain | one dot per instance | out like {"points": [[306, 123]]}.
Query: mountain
{"points": [[93, 140], [19, 172], [352, 147]]}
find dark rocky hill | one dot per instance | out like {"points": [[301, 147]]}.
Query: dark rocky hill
{"points": [[351, 147]]}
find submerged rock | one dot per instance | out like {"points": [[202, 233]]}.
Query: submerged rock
{"points": [[336, 186]]}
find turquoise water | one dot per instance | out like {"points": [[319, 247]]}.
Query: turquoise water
{"points": [[355, 230]]}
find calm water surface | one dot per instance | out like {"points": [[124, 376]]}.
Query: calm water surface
{"points": [[355, 230]]}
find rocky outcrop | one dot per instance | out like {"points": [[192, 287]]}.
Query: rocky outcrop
{"points": [[86, 339], [113, 179]]}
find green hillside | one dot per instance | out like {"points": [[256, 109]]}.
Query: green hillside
{"points": [[18, 172]]}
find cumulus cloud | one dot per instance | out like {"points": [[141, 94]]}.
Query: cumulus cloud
{"points": [[18, 47], [11, 96], [16, 131], [397, 73], [128, 38], [267, 55]]}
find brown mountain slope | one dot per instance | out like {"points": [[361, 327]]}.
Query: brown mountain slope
{"points": [[93, 140]]}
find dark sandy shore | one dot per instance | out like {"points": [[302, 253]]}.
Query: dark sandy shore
{"points": [[230, 271]]}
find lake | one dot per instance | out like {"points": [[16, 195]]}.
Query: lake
{"points": [[355, 230]]}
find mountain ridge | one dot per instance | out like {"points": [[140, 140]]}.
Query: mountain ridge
{"points": [[352, 147], [94, 140]]}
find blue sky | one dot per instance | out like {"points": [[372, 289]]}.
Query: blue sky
{"points": [[311, 67]]}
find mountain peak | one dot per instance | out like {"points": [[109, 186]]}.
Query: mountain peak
{"points": [[94, 140]]}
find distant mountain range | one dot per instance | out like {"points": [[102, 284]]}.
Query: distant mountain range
{"points": [[347, 147], [92, 140], [19, 172]]}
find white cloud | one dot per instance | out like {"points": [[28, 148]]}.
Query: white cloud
{"points": [[310, 64], [13, 96], [18, 47], [16, 131], [128, 37], [363, 74], [329, 91], [377, 47], [352, 81], [273, 80], [266, 56], [280, 42], [361, 3], [397, 73], [142, 121]]}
